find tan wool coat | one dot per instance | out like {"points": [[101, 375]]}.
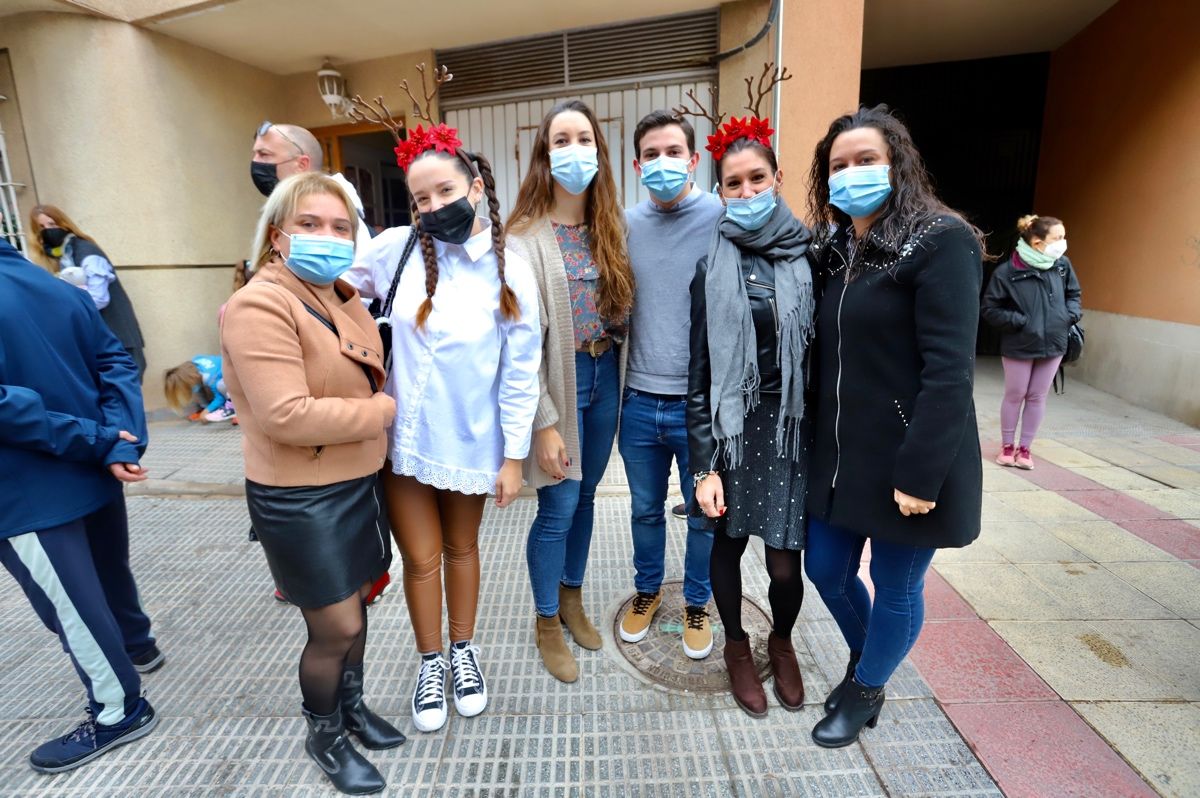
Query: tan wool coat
{"points": [[557, 405], [307, 410]]}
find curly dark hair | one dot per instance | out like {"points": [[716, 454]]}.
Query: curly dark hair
{"points": [[912, 201]]}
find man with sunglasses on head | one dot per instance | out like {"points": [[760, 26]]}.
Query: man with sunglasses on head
{"points": [[281, 151]]}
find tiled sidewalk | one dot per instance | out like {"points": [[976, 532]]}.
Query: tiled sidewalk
{"points": [[1061, 654]]}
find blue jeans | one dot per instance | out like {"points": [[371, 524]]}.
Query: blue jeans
{"points": [[654, 430], [557, 548], [883, 633]]}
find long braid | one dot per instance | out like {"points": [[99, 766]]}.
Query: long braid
{"points": [[509, 306], [431, 273]]}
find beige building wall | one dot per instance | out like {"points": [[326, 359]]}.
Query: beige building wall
{"points": [[1120, 167], [145, 141]]}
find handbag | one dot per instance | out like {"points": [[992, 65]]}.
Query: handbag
{"points": [[382, 312]]}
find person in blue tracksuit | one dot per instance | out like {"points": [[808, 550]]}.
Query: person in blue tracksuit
{"points": [[72, 429]]}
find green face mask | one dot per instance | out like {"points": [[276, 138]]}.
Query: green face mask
{"points": [[1032, 258]]}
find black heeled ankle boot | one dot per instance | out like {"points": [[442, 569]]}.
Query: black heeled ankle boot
{"points": [[858, 706], [327, 745], [375, 733], [836, 693]]}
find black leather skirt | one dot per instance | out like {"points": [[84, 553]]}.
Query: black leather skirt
{"points": [[322, 542]]}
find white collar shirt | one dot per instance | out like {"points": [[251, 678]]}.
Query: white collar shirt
{"points": [[466, 387]]}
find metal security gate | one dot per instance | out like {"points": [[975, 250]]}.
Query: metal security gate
{"points": [[501, 90], [504, 133]]}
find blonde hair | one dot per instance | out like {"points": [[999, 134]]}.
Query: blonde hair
{"points": [[283, 203], [41, 256], [179, 385]]}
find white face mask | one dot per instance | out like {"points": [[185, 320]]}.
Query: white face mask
{"points": [[1056, 249]]}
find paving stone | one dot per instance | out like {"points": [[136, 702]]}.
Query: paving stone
{"points": [[1159, 740], [1170, 650], [1175, 476], [966, 661], [1172, 535], [1175, 585], [1000, 591], [1093, 592], [1089, 661], [1043, 748], [998, 479], [1046, 506], [1180, 503], [1029, 541], [942, 601], [1105, 541], [1114, 505], [1117, 478], [1067, 456]]}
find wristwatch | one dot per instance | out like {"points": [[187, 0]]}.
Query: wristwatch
{"points": [[699, 477]]}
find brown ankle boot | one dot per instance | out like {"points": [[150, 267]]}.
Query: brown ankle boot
{"points": [[743, 678], [553, 647], [789, 684], [570, 609]]}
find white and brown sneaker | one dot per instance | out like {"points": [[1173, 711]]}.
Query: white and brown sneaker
{"points": [[636, 623]]}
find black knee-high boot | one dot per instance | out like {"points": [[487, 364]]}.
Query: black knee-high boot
{"points": [[327, 745], [373, 732]]}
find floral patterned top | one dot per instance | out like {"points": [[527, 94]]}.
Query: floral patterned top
{"points": [[582, 279]]}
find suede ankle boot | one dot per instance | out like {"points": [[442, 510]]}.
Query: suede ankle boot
{"points": [[743, 678], [836, 692], [327, 745], [858, 706], [570, 609], [789, 684], [553, 647], [372, 731]]}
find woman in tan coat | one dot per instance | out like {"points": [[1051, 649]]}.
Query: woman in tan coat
{"points": [[569, 225], [303, 365]]}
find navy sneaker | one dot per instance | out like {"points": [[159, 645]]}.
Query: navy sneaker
{"points": [[149, 660], [90, 740]]}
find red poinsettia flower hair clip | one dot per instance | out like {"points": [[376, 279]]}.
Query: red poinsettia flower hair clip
{"points": [[440, 137], [755, 127]]}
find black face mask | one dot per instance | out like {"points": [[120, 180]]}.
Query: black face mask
{"points": [[451, 223], [265, 177], [53, 238]]}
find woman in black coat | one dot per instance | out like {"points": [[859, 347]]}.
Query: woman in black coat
{"points": [[1033, 299], [896, 454]]}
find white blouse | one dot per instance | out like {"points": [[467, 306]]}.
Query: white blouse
{"points": [[466, 387]]}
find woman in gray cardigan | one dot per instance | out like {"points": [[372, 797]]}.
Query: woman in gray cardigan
{"points": [[568, 224]]}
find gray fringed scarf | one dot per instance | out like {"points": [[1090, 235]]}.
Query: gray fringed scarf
{"points": [[732, 345]]}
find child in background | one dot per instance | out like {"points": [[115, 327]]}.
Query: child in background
{"points": [[190, 385]]}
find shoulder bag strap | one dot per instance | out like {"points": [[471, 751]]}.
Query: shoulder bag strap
{"points": [[329, 326], [386, 311]]}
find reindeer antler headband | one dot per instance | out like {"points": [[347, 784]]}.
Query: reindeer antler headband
{"points": [[754, 127], [437, 136]]}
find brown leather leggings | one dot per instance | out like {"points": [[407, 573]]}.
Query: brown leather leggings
{"points": [[432, 526]]}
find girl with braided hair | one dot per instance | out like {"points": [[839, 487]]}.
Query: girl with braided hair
{"points": [[466, 346]]}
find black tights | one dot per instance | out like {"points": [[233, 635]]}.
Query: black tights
{"points": [[337, 637], [785, 594]]}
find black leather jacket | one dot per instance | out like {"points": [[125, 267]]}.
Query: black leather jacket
{"points": [[760, 289]]}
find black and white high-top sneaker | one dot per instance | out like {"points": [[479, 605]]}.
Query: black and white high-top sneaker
{"points": [[470, 690], [429, 696]]}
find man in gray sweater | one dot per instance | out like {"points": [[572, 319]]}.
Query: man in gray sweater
{"points": [[668, 234]]}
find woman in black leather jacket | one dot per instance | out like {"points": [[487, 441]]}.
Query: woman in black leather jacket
{"points": [[752, 318]]}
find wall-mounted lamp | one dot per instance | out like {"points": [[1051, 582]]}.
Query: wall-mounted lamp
{"points": [[332, 86]]}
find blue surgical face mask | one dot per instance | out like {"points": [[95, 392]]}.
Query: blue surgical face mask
{"points": [[753, 212], [858, 191], [319, 259], [574, 167], [665, 177]]}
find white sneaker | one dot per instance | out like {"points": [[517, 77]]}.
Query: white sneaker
{"points": [[470, 690], [429, 696]]}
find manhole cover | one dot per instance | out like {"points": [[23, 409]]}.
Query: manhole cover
{"points": [[659, 656]]}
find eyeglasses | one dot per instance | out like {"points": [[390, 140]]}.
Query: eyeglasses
{"points": [[267, 125]]}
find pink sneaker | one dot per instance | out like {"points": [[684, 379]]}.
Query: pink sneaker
{"points": [[1024, 458], [1007, 456]]}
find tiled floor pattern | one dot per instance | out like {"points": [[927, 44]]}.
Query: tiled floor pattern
{"points": [[229, 701]]}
